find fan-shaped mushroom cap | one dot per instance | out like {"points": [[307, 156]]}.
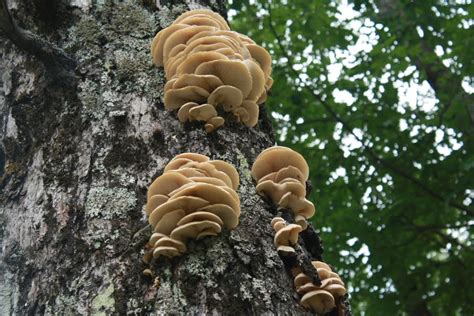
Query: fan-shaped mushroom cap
{"points": [[176, 163], [166, 183], [210, 180], [276, 190], [183, 112], [175, 98], [268, 83], [332, 280], [229, 97], [170, 242], [181, 36], [287, 236], [298, 205], [275, 158], [210, 193], [289, 172], [301, 279], [193, 229], [225, 213], [336, 290], [155, 237], [191, 62], [223, 24], [286, 251], [231, 72], [210, 37], [210, 170], [202, 112], [169, 221], [323, 273], [200, 19], [192, 156], [278, 223], [169, 84], [187, 203], [214, 123], [200, 216], [207, 82], [321, 265], [229, 170], [165, 251], [319, 301], [258, 80], [159, 41], [305, 288], [300, 220], [252, 113], [263, 97], [262, 57], [154, 202]]}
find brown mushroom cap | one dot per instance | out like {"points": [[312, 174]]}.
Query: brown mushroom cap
{"points": [[305, 288], [301, 279], [231, 72], [207, 82], [223, 24], [262, 57], [300, 220], [200, 19], [154, 202], [183, 112], [165, 251], [229, 170], [225, 213], [278, 223], [252, 113], [289, 172], [191, 62], [229, 97], [298, 205], [214, 123], [166, 183], [321, 265], [287, 236], [169, 221], [202, 112], [192, 156], [258, 80], [159, 41], [275, 158], [323, 273], [200, 216], [193, 229], [155, 237], [319, 301], [210, 180], [276, 190], [175, 98], [170, 242], [336, 290], [186, 203]]}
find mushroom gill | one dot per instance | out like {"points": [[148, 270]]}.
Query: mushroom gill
{"points": [[195, 197], [206, 63]]}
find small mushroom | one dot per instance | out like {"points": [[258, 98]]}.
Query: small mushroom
{"points": [[228, 97], [319, 301], [193, 229], [175, 98], [170, 242], [287, 236], [202, 112]]}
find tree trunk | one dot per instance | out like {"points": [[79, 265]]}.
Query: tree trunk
{"points": [[83, 135]]}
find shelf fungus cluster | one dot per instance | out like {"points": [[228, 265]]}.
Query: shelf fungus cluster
{"points": [[208, 67], [286, 236], [323, 298], [195, 197], [281, 174]]}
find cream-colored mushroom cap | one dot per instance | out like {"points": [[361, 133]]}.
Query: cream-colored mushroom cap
{"points": [[200, 19], [229, 170], [169, 221], [170, 242], [229, 97], [154, 202], [210, 193], [187, 203], [301, 279], [332, 280], [231, 72], [321, 265], [202, 112], [278, 223], [300, 220], [305, 288], [210, 170], [159, 41], [209, 180], [193, 229], [258, 80], [323, 273], [214, 123], [165, 251], [287, 236], [191, 62], [319, 301], [278, 158], [207, 82], [252, 113], [175, 98], [286, 251], [183, 112], [176, 163], [169, 84], [212, 38], [290, 172], [262, 57], [192, 156], [263, 97], [155, 237], [298, 205], [225, 213], [166, 183], [276, 191], [336, 290], [200, 216], [223, 24]]}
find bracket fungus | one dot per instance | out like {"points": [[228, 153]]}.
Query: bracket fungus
{"points": [[195, 197], [281, 174], [208, 65], [286, 236], [320, 298]]}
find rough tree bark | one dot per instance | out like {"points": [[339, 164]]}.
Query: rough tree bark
{"points": [[80, 142]]}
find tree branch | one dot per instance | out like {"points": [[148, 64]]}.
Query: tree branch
{"points": [[56, 61], [370, 153]]}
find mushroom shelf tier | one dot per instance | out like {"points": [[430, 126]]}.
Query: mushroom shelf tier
{"points": [[281, 174], [210, 68], [195, 197], [323, 298]]}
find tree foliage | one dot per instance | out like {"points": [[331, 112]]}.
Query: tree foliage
{"points": [[373, 94]]}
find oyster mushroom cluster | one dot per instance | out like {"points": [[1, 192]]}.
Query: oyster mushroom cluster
{"points": [[286, 236], [195, 197], [320, 299], [281, 174], [209, 67]]}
